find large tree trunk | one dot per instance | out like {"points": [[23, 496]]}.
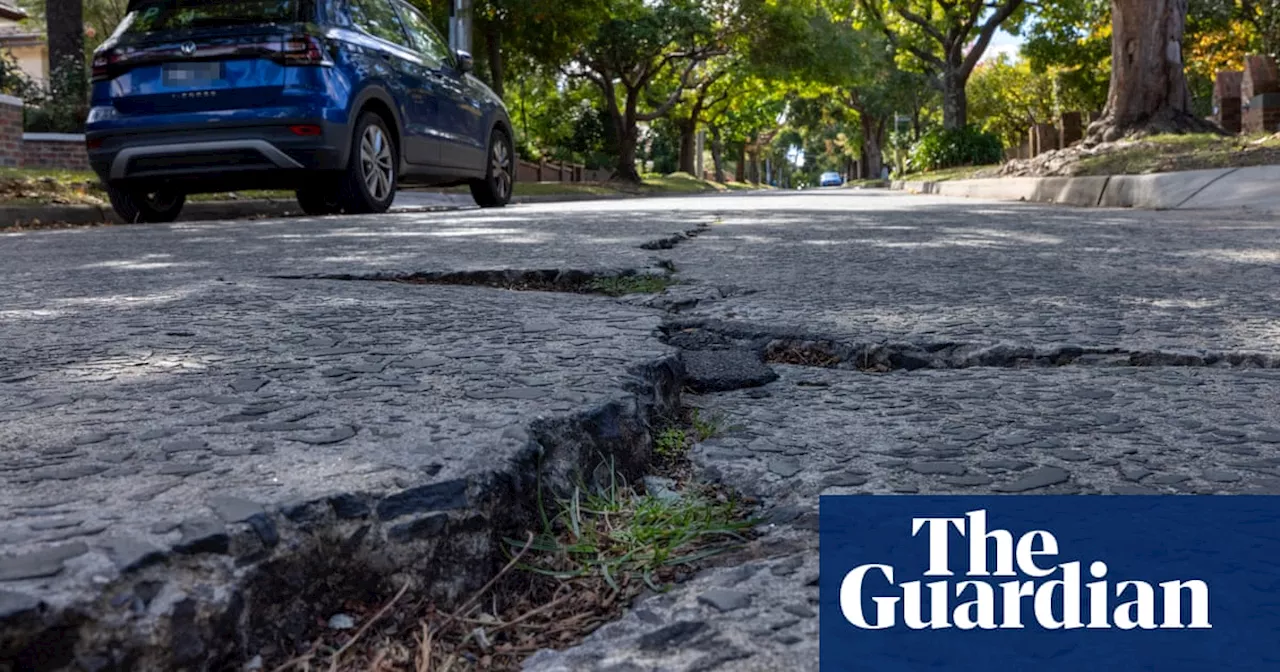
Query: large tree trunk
{"points": [[740, 171], [955, 104], [628, 138], [872, 142], [625, 132], [493, 46], [688, 145], [1148, 91], [717, 153], [65, 21]]}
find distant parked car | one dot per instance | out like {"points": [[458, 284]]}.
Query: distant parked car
{"points": [[339, 100], [830, 180]]}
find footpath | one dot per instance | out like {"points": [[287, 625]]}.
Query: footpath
{"points": [[1251, 189]]}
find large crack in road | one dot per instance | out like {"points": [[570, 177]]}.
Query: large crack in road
{"points": [[313, 438]]}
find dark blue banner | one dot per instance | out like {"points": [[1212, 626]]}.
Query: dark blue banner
{"points": [[1050, 584]]}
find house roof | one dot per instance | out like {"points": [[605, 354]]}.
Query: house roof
{"points": [[8, 11], [17, 38]]}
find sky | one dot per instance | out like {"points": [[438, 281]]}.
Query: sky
{"points": [[1002, 42]]}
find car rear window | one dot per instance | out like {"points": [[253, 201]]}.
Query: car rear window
{"points": [[153, 16]]}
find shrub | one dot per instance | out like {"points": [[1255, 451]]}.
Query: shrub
{"points": [[62, 107], [13, 81], [947, 148]]}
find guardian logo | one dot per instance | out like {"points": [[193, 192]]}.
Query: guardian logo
{"points": [[1049, 583], [1008, 580]]}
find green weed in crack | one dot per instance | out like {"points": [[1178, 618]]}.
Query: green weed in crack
{"points": [[708, 426], [630, 540], [671, 443]]}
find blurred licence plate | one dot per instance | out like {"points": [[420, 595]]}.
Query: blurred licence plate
{"points": [[191, 74]]}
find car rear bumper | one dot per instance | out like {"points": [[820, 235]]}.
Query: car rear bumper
{"points": [[195, 159]]}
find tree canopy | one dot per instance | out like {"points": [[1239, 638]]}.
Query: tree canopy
{"points": [[615, 83]]}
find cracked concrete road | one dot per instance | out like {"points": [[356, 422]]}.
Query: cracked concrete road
{"points": [[172, 407]]}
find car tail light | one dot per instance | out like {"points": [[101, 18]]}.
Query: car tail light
{"points": [[306, 130], [299, 49], [92, 143], [303, 50], [104, 65]]}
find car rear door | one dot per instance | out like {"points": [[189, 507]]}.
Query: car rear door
{"points": [[457, 115], [388, 52]]}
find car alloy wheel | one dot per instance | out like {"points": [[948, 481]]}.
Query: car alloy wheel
{"points": [[377, 164], [500, 170], [161, 201]]}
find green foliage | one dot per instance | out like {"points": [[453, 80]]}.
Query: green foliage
{"points": [[671, 443], [630, 540], [13, 80], [664, 147], [706, 426], [63, 107], [1072, 39], [1007, 96], [947, 148]]}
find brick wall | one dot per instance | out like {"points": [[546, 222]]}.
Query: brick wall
{"points": [[64, 151], [10, 132], [54, 150], [1263, 114]]}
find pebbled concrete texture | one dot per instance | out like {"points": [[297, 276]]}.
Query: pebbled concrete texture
{"points": [[188, 440], [889, 268], [172, 414]]}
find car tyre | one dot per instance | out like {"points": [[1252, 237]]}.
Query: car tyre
{"points": [[494, 191], [321, 199], [142, 207], [369, 185]]}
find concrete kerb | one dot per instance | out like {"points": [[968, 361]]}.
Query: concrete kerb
{"points": [[1222, 188], [1158, 191], [1251, 188]]}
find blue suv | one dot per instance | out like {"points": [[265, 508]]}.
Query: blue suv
{"points": [[339, 100]]}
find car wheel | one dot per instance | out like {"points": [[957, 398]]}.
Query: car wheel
{"points": [[370, 182], [142, 207], [494, 191], [320, 200]]}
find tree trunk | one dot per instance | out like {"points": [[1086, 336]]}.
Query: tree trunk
{"points": [[65, 21], [493, 45], [955, 104], [628, 137], [626, 170], [1148, 91], [740, 171], [872, 141], [688, 145], [717, 153]]}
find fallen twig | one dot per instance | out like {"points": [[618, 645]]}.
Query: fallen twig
{"points": [[337, 656]]}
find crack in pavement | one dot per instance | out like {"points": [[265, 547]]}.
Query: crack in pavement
{"points": [[231, 385]]}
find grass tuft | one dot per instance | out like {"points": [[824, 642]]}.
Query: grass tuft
{"points": [[1166, 153], [671, 443], [629, 540], [706, 426]]}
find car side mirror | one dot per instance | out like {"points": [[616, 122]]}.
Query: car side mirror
{"points": [[465, 63]]}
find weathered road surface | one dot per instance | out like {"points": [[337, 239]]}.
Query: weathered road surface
{"points": [[196, 425]]}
